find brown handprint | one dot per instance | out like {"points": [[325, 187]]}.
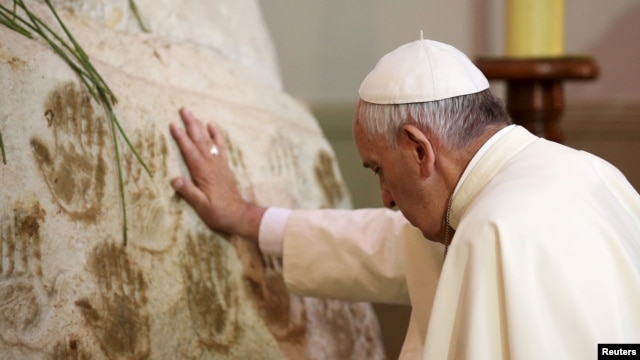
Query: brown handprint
{"points": [[284, 313], [339, 324], [239, 168], [353, 328], [286, 180], [73, 167], [154, 220], [211, 295], [119, 319], [325, 175], [284, 160], [69, 349], [366, 331], [25, 302]]}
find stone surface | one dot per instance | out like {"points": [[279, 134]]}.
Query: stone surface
{"points": [[69, 288]]}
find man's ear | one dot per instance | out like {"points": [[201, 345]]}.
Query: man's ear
{"points": [[420, 148]]}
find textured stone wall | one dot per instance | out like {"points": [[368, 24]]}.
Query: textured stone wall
{"points": [[69, 287]]}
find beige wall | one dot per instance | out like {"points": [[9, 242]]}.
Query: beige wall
{"points": [[326, 48]]}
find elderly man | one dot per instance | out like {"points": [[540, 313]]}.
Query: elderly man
{"points": [[541, 242]]}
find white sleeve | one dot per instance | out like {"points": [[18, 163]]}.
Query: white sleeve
{"points": [[271, 232], [355, 255]]}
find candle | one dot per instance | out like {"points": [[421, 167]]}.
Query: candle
{"points": [[534, 28]]}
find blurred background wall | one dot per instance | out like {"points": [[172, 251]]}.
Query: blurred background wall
{"points": [[325, 49]]}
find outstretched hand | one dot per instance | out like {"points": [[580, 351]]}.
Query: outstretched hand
{"points": [[212, 189]]}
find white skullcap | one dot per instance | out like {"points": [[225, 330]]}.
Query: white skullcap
{"points": [[420, 71]]}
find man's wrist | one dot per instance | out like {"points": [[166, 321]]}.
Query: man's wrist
{"points": [[250, 227]]}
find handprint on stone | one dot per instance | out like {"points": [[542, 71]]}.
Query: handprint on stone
{"points": [[25, 301], [73, 166], [69, 349], [338, 320], [286, 180], [239, 168], [332, 189], [353, 327], [366, 331], [119, 317], [281, 177], [284, 313], [154, 221], [212, 296], [283, 159]]}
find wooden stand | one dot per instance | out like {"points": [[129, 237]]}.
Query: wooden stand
{"points": [[535, 95]]}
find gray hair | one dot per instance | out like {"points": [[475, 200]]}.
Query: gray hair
{"points": [[456, 121]]}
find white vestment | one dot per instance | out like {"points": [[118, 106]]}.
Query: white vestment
{"points": [[544, 262]]}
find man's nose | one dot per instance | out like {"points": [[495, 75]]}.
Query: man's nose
{"points": [[387, 199]]}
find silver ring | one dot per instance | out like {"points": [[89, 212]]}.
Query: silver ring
{"points": [[214, 151]]}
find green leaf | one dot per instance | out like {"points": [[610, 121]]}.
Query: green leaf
{"points": [[4, 158], [75, 56]]}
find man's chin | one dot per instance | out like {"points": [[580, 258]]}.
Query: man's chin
{"points": [[415, 224], [409, 218], [431, 237]]}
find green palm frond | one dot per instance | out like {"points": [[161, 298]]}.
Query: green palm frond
{"points": [[27, 23]]}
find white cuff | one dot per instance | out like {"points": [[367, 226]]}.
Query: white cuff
{"points": [[271, 232]]}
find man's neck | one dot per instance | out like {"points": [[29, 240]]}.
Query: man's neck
{"points": [[452, 165]]}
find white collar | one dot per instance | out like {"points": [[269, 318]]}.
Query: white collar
{"points": [[480, 153]]}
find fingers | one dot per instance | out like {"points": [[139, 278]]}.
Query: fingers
{"points": [[216, 136], [211, 189], [195, 144], [190, 193], [202, 139], [198, 134], [190, 152], [196, 130]]}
